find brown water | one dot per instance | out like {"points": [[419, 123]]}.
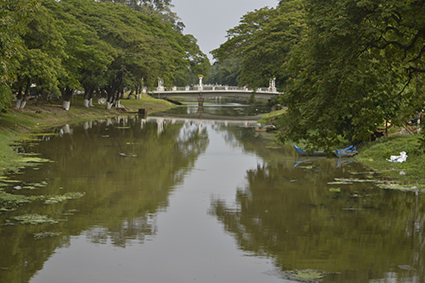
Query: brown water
{"points": [[174, 201]]}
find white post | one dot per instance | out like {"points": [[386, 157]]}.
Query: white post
{"points": [[66, 105]]}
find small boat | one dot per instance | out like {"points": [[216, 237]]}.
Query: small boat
{"points": [[303, 152], [344, 152]]}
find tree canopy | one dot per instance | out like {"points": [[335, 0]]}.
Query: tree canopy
{"points": [[354, 69], [14, 15], [100, 46], [260, 43], [345, 66]]}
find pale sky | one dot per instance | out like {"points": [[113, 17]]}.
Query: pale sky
{"points": [[208, 20]]}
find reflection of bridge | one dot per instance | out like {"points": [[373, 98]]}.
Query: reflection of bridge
{"points": [[246, 122]]}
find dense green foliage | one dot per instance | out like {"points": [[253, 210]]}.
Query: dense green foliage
{"points": [[14, 17], [102, 47], [259, 45], [359, 64], [346, 67]]}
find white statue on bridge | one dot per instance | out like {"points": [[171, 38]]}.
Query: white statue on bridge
{"points": [[272, 85], [160, 84], [201, 86]]}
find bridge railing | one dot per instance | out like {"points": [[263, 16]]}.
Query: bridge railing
{"points": [[196, 88]]}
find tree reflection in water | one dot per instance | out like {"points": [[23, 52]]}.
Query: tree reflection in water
{"points": [[290, 215]]}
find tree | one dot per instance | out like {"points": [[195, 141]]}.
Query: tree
{"points": [[16, 14], [40, 57], [225, 72], [263, 58], [241, 36], [195, 62], [352, 70], [262, 42]]}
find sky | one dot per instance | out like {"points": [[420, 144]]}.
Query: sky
{"points": [[208, 20]]}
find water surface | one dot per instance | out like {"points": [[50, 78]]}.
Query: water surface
{"points": [[169, 200]]}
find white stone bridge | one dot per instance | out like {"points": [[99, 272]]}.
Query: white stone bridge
{"points": [[202, 91], [215, 91]]}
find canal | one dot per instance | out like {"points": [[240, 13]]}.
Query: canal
{"points": [[175, 199]]}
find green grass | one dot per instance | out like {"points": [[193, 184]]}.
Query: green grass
{"points": [[374, 155], [269, 117]]}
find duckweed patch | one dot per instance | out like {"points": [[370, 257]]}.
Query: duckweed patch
{"points": [[61, 198], [32, 159], [400, 187], [305, 276], [8, 200], [42, 235], [34, 219]]}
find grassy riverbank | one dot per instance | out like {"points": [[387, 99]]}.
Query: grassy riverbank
{"points": [[375, 155], [14, 124]]}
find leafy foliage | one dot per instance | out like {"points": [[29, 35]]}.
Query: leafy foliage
{"points": [[353, 70], [102, 47], [14, 15]]}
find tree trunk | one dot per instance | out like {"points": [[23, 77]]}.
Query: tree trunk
{"points": [[67, 93]]}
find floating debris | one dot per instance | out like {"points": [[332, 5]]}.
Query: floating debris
{"points": [[42, 235], [34, 219], [126, 154], [335, 190]]}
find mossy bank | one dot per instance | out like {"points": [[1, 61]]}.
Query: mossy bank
{"points": [[15, 124]]}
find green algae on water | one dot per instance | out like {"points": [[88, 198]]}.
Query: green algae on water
{"points": [[61, 198], [12, 200], [42, 235], [305, 276], [34, 219]]}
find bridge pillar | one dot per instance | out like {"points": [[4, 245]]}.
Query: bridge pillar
{"points": [[200, 101]]}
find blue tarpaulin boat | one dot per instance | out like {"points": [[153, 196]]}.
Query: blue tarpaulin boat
{"points": [[344, 152]]}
